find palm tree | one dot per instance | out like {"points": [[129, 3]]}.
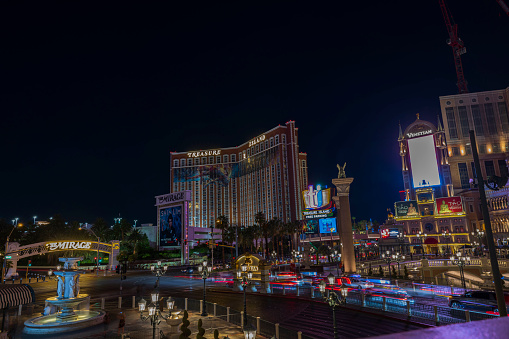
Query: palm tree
{"points": [[134, 238], [222, 224]]}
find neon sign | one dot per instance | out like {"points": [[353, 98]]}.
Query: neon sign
{"points": [[203, 153], [68, 245], [257, 140]]}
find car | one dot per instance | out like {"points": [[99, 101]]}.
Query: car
{"points": [[392, 296], [188, 270], [354, 282], [479, 301]]}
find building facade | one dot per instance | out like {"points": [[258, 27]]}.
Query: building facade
{"points": [[430, 219], [265, 174], [486, 113]]}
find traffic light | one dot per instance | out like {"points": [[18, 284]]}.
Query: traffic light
{"points": [[100, 259], [117, 269], [29, 262], [95, 258]]}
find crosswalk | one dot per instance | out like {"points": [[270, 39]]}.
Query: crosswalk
{"points": [[315, 321]]}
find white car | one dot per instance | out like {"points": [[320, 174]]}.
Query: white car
{"points": [[358, 283]]}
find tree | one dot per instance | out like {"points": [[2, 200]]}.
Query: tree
{"points": [[370, 271], [134, 238], [261, 222], [186, 332], [201, 330], [102, 230], [223, 225], [394, 272], [405, 272], [380, 271]]}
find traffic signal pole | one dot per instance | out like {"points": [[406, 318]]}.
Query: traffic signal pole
{"points": [[502, 310]]}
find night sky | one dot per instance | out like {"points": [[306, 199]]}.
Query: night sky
{"points": [[94, 98]]}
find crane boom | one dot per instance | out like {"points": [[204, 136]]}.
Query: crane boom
{"points": [[457, 47], [504, 6]]}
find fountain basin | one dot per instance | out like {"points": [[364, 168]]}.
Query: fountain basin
{"points": [[52, 324]]}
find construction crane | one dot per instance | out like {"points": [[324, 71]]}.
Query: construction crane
{"points": [[504, 6], [457, 47]]}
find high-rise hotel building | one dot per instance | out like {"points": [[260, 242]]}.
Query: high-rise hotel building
{"points": [[265, 174]]}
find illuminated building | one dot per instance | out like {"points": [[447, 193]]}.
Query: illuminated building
{"points": [[429, 209], [487, 114], [265, 174]]}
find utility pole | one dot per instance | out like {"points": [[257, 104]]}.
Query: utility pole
{"points": [[502, 310]]}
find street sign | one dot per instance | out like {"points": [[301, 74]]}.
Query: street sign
{"points": [[8, 257]]}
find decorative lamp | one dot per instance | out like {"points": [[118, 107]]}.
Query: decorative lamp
{"points": [[152, 268], [243, 267], [59, 267], [209, 268], [250, 275], [452, 258], [468, 258], [403, 257], [344, 291], [249, 332], [159, 263], [142, 305], [200, 268], [383, 255], [50, 272], [322, 286], [170, 303], [204, 263], [151, 309], [331, 279], [239, 274], [165, 267], [155, 296]]}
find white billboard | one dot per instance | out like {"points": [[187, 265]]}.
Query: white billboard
{"points": [[423, 160]]}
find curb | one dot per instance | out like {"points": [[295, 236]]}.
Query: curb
{"points": [[316, 300]]}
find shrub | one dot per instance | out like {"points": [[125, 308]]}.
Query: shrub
{"points": [[186, 332]]}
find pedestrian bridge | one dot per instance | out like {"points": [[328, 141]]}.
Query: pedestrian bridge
{"points": [[17, 252]]}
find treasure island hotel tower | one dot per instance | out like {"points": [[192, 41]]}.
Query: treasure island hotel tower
{"points": [[265, 174]]}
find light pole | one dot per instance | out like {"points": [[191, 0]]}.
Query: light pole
{"points": [[205, 273], [387, 258], [158, 270], [479, 235], [333, 299], [34, 218], [245, 277], [154, 313], [461, 262], [401, 239], [15, 225], [297, 256], [446, 238], [89, 230], [398, 258], [337, 258]]}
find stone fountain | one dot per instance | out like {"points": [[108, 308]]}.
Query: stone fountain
{"points": [[67, 298]]}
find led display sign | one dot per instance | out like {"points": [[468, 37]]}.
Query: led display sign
{"points": [[449, 205], [316, 199], [327, 225], [406, 208], [389, 233], [423, 161]]}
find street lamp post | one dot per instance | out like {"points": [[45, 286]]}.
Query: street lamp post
{"points": [[89, 230], [333, 299], [479, 235], [398, 258], [245, 277], [154, 313], [297, 255], [205, 273], [336, 257], [387, 258], [446, 238], [400, 238], [15, 225], [158, 270], [461, 262]]}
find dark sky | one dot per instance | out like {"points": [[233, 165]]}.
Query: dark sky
{"points": [[95, 95]]}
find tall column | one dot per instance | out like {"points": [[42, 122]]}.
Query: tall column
{"points": [[344, 222]]}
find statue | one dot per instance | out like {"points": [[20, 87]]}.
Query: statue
{"points": [[72, 284], [60, 287], [77, 288], [341, 173]]}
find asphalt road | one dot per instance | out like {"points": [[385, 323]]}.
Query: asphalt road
{"points": [[313, 318]]}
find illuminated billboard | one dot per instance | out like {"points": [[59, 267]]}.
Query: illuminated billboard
{"points": [[389, 233], [423, 161], [170, 220], [317, 199], [327, 225], [406, 208], [449, 205]]}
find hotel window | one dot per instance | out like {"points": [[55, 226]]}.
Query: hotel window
{"points": [[451, 123], [233, 158], [465, 127], [277, 139], [463, 171], [225, 158], [175, 163], [248, 152], [218, 159], [495, 148], [189, 162], [502, 112], [182, 162], [490, 118], [490, 168], [266, 144], [271, 142], [196, 161], [211, 160], [482, 149], [473, 170], [503, 168], [256, 148], [468, 150], [476, 115], [455, 151]]}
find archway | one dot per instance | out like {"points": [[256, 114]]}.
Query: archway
{"points": [[16, 252]]}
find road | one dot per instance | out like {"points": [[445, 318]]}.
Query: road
{"points": [[313, 318]]}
